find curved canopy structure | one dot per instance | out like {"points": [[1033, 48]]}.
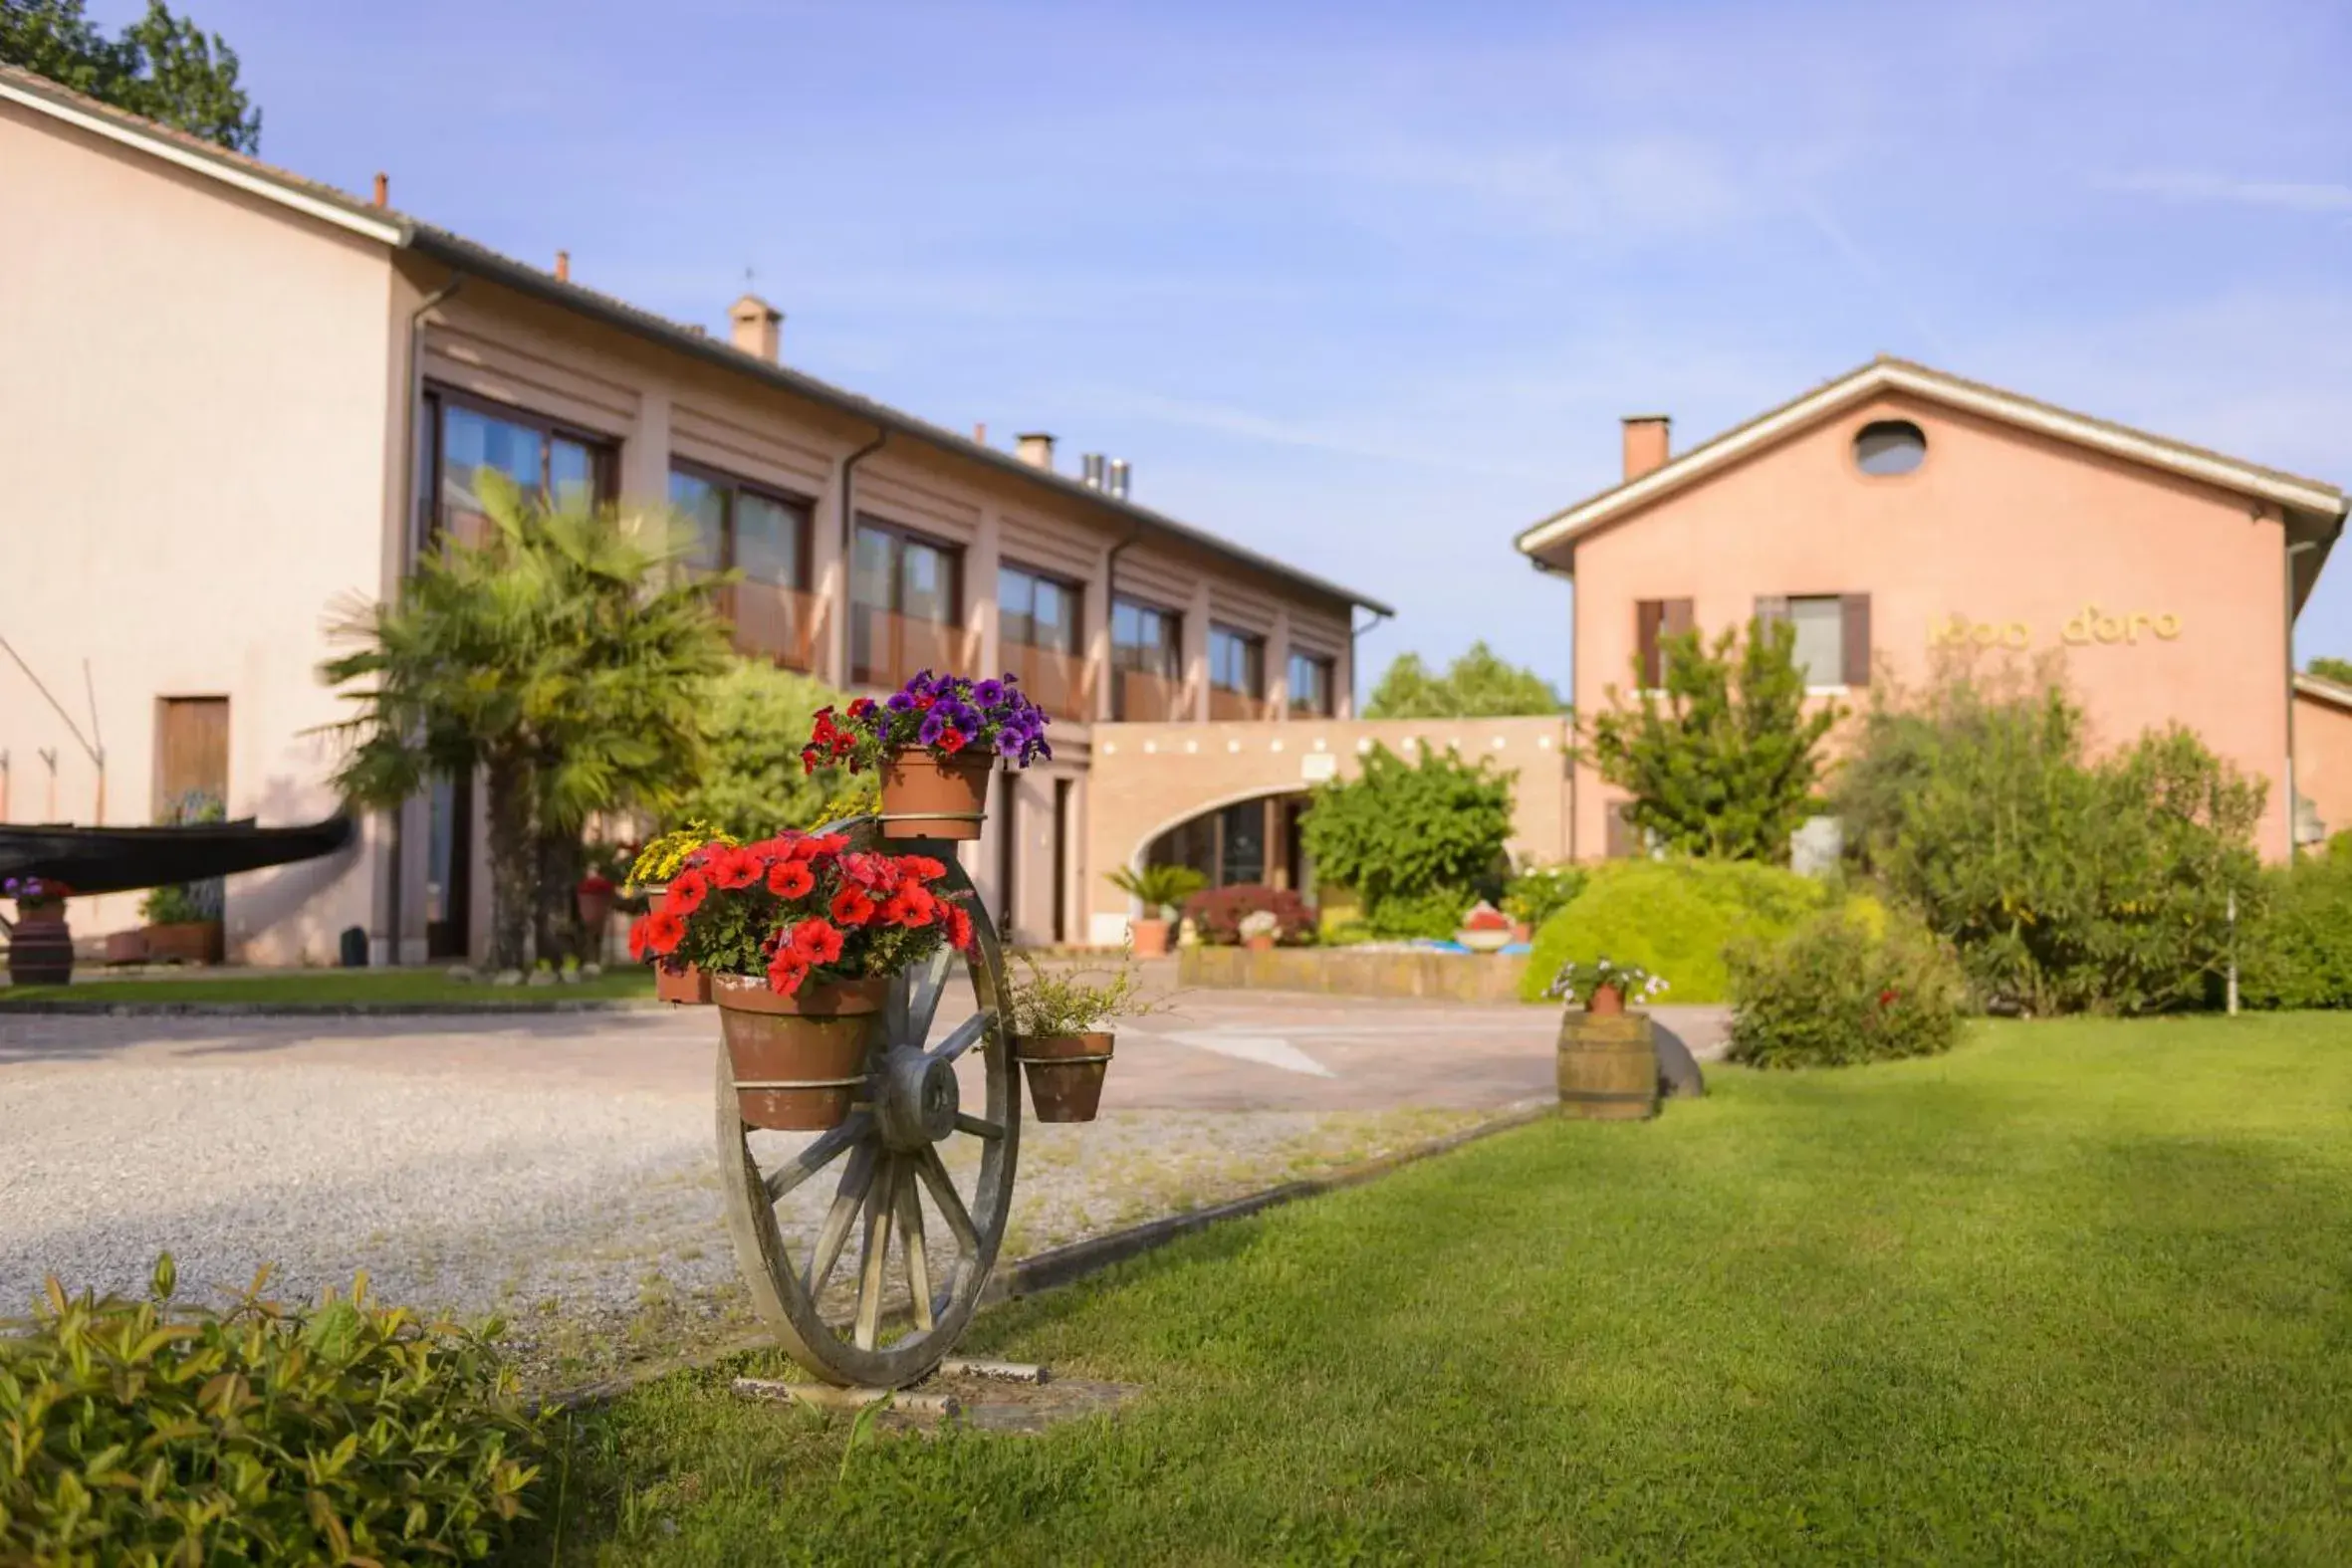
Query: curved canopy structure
{"points": [[122, 859]]}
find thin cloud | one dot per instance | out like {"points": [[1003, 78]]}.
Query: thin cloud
{"points": [[1871, 272], [2283, 195]]}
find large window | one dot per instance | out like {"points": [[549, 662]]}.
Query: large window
{"points": [[765, 537], [1037, 637], [1148, 654], [468, 439], [1313, 685], [1832, 635], [905, 605], [1237, 674]]}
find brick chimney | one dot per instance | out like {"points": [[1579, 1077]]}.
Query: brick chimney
{"points": [[1646, 437], [757, 328], [1035, 448]]}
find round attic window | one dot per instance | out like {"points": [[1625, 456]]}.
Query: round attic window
{"points": [[1886, 447]]}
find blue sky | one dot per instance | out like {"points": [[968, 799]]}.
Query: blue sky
{"points": [[1368, 285]]}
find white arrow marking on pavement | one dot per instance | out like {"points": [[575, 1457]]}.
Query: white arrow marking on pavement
{"points": [[1267, 1050]]}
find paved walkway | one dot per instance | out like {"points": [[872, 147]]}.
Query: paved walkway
{"points": [[559, 1169]]}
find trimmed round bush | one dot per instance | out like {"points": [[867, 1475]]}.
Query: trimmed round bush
{"points": [[1835, 993], [1678, 918]]}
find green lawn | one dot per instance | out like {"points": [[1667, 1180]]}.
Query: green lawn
{"points": [[2077, 1292], [316, 986]]}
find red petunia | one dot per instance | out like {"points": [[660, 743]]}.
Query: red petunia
{"points": [[786, 972], [852, 907], [843, 744], [736, 868], [923, 866], [828, 843], [959, 928], [893, 911], [816, 941], [1886, 997], [664, 929], [950, 740], [686, 894], [637, 938], [791, 879], [861, 707], [920, 907], [808, 760]]}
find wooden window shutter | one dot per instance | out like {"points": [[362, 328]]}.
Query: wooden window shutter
{"points": [[192, 752], [1855, 638], [1648, 616], [1772, 608], [1620, 837]]}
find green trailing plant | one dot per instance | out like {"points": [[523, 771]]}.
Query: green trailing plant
{"points": [[1162, 889], [1417, 842], [751, 782], [1048, 1001], [1478, 685], [564, 658], [2064, 884], [1834, 993], [170, 906], [140, 1432], [1723, 760]]}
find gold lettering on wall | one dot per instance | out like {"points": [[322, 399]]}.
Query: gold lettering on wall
{"points": [[2091, 624]]}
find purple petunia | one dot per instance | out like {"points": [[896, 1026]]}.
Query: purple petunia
{"points": [[988, 693]]}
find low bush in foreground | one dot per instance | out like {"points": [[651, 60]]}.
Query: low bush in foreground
{"points": [[1833, 994], [1678, 918], [2297, 952], [131, 1431]]}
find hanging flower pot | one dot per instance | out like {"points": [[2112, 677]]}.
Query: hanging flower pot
{"points": [[926, 795], [799, 1061], [41, 951], [1065, 1074], [933, 742], [593, 898]]}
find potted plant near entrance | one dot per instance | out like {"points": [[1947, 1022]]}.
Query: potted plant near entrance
{"points": [[1162, 890], [1259, 928], [799, 936], [1606, 985], [178, 928], [1060, 1038], [934, 743], [40, 943]]}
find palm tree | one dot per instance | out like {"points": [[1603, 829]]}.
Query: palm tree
{"points": [[564, 657]]}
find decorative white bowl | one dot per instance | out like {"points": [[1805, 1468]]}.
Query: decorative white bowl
{"points": [[1484, 941]]}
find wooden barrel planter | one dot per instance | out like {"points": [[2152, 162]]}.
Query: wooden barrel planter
{"points": [[799, 1061], [927, 797], [1608, 1066], [41, 951], [1065, 1074]]}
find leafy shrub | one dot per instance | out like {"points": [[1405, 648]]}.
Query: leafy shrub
{"points": [[170, 906], [1050, 1001], [1537, 893], [1832, 994], [2063, 884], [2297, 951], [137, 1433], [1412, 834], [1677, 918], [752, 784], [1437, 915], [1160, 888], [1218, 912]]}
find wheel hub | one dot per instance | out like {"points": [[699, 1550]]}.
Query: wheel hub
{"points": [[916, 1098]]}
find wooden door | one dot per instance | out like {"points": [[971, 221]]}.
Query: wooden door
{"points": [[191, 753]]}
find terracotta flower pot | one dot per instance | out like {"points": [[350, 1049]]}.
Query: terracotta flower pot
{"points": [[593, 900], [126, 947], [184, 942], [1150, 938], [41, 953], [938, 797], [1258, 943], [1064, 1072], [688, 987], [799, 1061], [1607, 1001]]}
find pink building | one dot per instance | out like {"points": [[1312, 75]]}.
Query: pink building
{"points": [[1898, 509]]}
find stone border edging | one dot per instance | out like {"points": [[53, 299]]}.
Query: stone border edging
{"points": [[1067, 1266], [68, 1008]]}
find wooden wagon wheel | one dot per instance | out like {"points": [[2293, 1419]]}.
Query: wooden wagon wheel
{"points": [[891, 1170]]}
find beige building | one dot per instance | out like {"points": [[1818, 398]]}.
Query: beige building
{"points": [[232, 399]]}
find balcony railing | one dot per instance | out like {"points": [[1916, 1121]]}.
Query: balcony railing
{"points": [[1149, 699], [888, 650], [1061, 683], [773, 623], [1224, 704]]}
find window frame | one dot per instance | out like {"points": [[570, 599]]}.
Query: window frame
{"points": [[1329, 667], [1174, 645], [437, 397], [733, 485], [1253, 648], [1073, 590], [900, 535]]}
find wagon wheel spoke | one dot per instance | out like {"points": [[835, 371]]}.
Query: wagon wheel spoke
{"points": [[878, 1210], [965, 1035], [914, 999], [858, 1178], [823, 1152], [950, 1201], [918, 1263], [978, 1127]]}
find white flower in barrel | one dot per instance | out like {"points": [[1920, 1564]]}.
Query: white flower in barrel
{"points": [[1606, 985]]}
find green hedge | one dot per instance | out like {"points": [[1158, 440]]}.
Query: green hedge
{"points": [[1679, 919], [2299, 951]]}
